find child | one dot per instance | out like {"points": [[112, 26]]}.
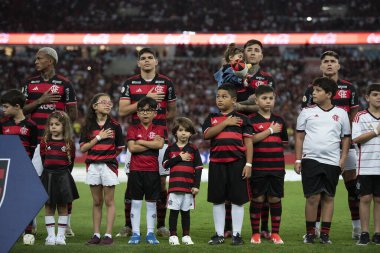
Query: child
{"points": [[15, 123], [365, 132], [268, 171], [185, 164], [144, 142], [230, 162], [320, 131], [103, 141], [57, 155]]}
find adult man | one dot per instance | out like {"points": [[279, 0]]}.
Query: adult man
{"points": [[159, 87]]}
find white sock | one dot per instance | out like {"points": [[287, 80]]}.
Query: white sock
{"points": [[68, 220], [219, 213], [356, 224], [62, 223], [318, 225], [151, 215], [108, 235], [237, 214], [135, 215], [97, 235], [50, 225]]}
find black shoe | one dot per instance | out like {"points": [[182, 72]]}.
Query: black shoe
{"points": [[376, 238], [309, 238], [324, 238], [216, 239], [237, 240], [363, 239]]}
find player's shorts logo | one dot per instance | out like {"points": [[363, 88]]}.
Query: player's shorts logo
{"points": [[4, 172]]}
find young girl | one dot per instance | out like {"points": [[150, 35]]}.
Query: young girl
{"points": [[57, 155], [185, 164], [102, 139]]}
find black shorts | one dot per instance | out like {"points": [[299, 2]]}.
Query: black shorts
{"points": [[368, 184], [319, 177], [268, 183], [144, 183], [225, 182]]}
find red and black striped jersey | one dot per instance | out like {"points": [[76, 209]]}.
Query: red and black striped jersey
{"points": [[260, 78], [55, 156], [36, 86], [346, 96], [136, 88], [184, 175], [26, 129], [269, 152], [228, 145], [105, 150], [146, 160]]}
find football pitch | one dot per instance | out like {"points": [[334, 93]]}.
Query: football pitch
{"points": [[202, 228]]}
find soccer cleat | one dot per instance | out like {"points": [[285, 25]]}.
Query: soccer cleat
{"points": [[255, 238], [135, 239], [227, 234], [69, 232], [151, 238], [93, 241], [363, 239], [50, 240], [173, 240], [265, 234], [308, 238], [216, 239], [163, 232], [356, 232], [106, 240], [187, 240], [60, 240], [276, 239], [324, 239], [376, 238], [237, 240], [124, 232]]}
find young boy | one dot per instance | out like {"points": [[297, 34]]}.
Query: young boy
{"points": [[185, 164], [320, 131], [144, 141], [268, 171], [365, 132], [15, 123], [230, 162]]}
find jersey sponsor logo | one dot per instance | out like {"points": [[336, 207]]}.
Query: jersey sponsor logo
{"points": [[67, 91], [342, 93], [54, 88], [36, 81], [35, 88], [47, 107], [151, 135], [259, 78], [342, 86], [57, 82], [335, 117], [4, 172], [136, 82], [23, 131], [139, 90], [159, 88], [159, 81]]}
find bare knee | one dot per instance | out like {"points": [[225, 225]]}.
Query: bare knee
{"points": [[313, 199]]}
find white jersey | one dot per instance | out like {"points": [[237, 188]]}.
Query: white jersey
{"points": [[368, 152], [324, 130]]}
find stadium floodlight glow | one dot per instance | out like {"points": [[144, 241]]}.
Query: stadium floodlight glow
{"points": [[309, 19]]}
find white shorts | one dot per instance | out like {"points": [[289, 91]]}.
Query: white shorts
{"points": [[101, 174], [37, 162], [180, 201], [161, 154], [351, 160]]}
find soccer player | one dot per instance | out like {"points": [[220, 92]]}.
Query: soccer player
{"points": [[321, 129], [159, 87], [268, 165], [230, 163], [365, 132], [347, 99], [46, 93]]}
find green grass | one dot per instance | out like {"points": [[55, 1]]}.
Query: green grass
{"points": [[292, 228]]}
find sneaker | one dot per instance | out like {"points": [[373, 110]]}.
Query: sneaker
{"points": [[363, 239], [151, 238], [106, 240], [276, 239], [93, 241], [124, 232], [60, 240], [356, 232], [308, 238], [227, 234], [265, 234], [69, 232], [50, 240], [255, 238], [163, 232], [173, 240], [237, 240], [376, 238], [135, 239], [324, 239], [216, 239], [187, 240]]}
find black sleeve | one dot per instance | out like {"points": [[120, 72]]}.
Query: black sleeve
{"points": [[197, 178], [307, 98], [172, 161]]}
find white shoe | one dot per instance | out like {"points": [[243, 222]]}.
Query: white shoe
{"points": [[173, 240], [187, 240], [356, 231], [50, 240], [69, 232], [60, 240]]}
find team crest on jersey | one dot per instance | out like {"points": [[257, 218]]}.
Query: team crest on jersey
{"points": [[342, 93], [159, 88], [54, 89], [63, 149], [151, 135], [335, 117], [4, 172], [23, 131]]}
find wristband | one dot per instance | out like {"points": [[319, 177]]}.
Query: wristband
{"points": [[271, 130], [297, 161], [376, 131], [98, 137], [248, 164]]}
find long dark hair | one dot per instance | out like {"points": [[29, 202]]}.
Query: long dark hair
{"points": [[90, 121]]}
